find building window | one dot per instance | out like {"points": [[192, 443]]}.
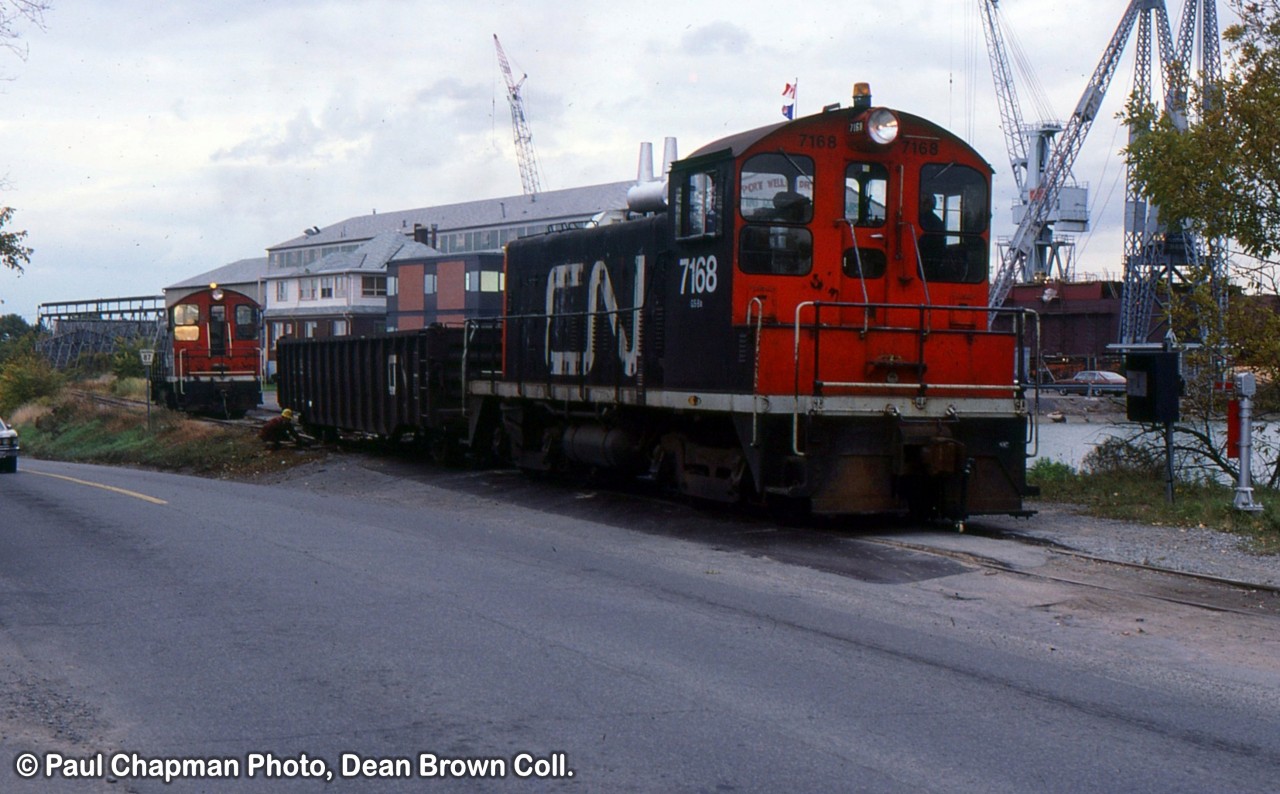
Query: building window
{"points": [[373, 286], [282, 290], [393, 286], [309, 329], [277, 331], [429, 284], [491, 280], [307, 289], [339, 328], [326, 287]]}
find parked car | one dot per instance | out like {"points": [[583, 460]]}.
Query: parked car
{"points": [[8, 448], [1092, 381]]}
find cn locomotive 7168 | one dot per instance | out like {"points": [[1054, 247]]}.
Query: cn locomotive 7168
{"points": [[800, 319]]}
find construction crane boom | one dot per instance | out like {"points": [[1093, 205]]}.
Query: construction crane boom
{"points": [[1058, 170], [1006, 94], [529, 177]]}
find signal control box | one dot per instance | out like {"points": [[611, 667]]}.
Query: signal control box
{"points": [[1153, 386]]}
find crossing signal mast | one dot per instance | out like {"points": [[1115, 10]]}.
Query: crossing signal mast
{"points": [[529, 177]]}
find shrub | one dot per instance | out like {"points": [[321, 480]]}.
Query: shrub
{"points": [[1049, 473], [126, 361], [25, 378], [1129, 457]]}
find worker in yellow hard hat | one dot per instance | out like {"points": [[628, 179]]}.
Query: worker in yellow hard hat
{"points": [[279, 430]]}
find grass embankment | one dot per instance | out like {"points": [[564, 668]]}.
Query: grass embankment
{"points": [[74, 427], [1140, 496]]}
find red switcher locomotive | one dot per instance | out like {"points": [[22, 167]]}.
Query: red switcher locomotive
{"points": [[801, 319], [210, 359]]}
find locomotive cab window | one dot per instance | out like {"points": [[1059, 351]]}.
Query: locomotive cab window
{"points": [[186, 322], [866, 189], [698, 205], [777, 187], [776, 200], [246, 322], [866, 196], [217, 330], [953, 217]]}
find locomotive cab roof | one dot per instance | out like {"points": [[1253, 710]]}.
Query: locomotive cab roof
{"points": [[735, 145]]}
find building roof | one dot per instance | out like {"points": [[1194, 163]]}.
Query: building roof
{"points": [[544, 208], [244, 271], [372, 256]]}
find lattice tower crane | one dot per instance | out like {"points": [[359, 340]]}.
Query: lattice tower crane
{"points": [[1058, 169], [1006, 92], [1030, 148], [529, 176], [1154, 253]]}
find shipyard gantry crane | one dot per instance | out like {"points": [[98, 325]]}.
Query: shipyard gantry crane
{"points": [[1153, 253], [529, 176]]}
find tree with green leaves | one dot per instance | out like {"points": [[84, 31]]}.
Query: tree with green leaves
{"points": [[13, 14], [1218, 175], [1221, 176], [13, 252]]}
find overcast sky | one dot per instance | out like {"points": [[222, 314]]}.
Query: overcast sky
{"points": [[142, 143]]}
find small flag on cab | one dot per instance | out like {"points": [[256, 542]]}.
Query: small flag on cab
{"points": [[789, 109]]}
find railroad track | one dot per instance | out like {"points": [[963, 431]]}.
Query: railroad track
{"points": [[127, 403], [990, 563]]}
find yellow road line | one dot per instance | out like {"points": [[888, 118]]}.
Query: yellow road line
{"points": [[153, 500]]}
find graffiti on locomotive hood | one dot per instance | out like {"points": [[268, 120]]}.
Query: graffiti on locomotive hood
{"points": [[573, 307]]}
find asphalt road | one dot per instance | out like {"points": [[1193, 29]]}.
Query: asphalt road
{"points": [[303, 627]]}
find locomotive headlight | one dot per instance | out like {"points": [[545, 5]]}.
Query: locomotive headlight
{"points": [[882, 126]]}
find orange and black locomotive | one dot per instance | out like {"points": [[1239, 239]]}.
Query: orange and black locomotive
{"points": [[802, 319]]}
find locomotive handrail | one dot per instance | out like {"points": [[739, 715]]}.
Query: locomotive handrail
{"points": [[922, 388], [579, 379], [915, 243], [758, 304], [862, 281]]}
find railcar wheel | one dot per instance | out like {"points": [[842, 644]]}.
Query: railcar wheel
{"points": [[444, 449], [789, 511]]}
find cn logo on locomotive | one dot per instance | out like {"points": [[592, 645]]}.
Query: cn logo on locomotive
{"points": [[564, 284]]}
